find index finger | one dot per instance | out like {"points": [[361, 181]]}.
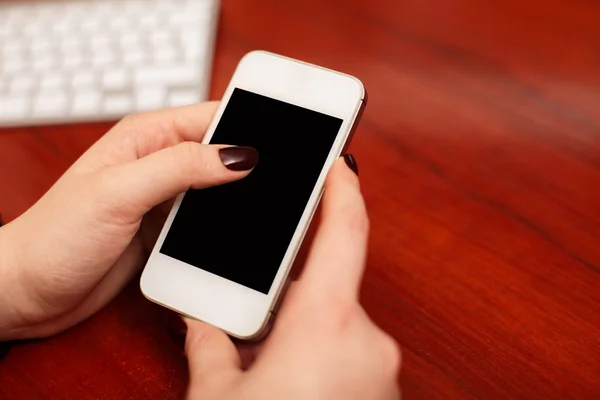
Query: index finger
{"points": [[139, 135], [336, 261]]}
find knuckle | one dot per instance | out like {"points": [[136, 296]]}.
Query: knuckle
{"points": [[196, 339], [127, 130], [341, 313], [130, 120], [190, 159], [106, 189], [332, 313]]}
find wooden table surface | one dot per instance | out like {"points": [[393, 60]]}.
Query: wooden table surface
{"points": [[480, 162]]}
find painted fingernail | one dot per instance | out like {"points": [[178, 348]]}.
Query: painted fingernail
{"points": [[238, 158], [351, 162]]}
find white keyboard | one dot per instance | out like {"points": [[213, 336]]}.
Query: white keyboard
{"points": [[90, 60]]}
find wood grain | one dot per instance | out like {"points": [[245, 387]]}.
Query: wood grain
{"points": [[480, 162]]}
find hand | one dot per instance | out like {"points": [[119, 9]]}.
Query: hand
{"points": [[323, 345], [73, 251]]}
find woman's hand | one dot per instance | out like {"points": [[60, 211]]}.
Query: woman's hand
{"points": [[323, 345], [73, 251]]}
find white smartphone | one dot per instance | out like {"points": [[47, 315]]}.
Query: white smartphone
{"points": [[224, 253]]}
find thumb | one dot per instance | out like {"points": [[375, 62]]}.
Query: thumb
{"points": [[144, 183], [210, 352]]}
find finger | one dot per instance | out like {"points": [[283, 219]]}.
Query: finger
{"points": [[138, 135], [137, 186], [248, 353], [336, 261], [307, 242], [210, 352], [152, 224], [113, 282]]}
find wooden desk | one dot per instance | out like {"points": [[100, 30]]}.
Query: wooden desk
{"points": [[480, 162]]}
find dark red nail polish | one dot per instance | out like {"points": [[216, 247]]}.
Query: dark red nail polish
{"points": [[238, 158], [351, 162]]}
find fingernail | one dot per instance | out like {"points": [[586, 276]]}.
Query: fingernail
{"points": [[239, 158], [351, 162]]}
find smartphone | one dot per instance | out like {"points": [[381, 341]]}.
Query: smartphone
{"points": [[224, 253]]}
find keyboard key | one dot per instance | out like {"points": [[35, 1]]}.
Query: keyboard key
{"points": [[149, 98], [115, 79], [62, 27], [119, 23], [102, 58], [85, 103], [100, 43], [192, 45], [183, 97], [184, 18], [77, 11], [90, 24], [51, 82], [9, 29], [130, 41], [71, 61], [40, 52], [21, 84], [9, 49], [70, 44], [168, 7], [161, 38], [49, 104], [165, 55], [48, 11], [135, 7], [13, 107], [190, 38], [167, 75], [134, 57], [43, 63], [12, 57], [40, 45], [83, 79], [34, 29], [12, 65], [103, 8], [148, 21], [120, 103]]}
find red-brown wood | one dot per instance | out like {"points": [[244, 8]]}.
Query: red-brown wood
{"points": [[480, 162]]}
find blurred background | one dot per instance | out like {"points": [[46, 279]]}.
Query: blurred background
{"points": [[479, 155]]}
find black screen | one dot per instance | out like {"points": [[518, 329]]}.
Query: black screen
{"points": [[241, 231]]}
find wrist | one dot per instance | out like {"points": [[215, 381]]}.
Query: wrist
{"points": [[23, 313], [12, 324]]}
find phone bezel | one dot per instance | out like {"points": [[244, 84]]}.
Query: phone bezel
{"points": [[240, 311]]}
